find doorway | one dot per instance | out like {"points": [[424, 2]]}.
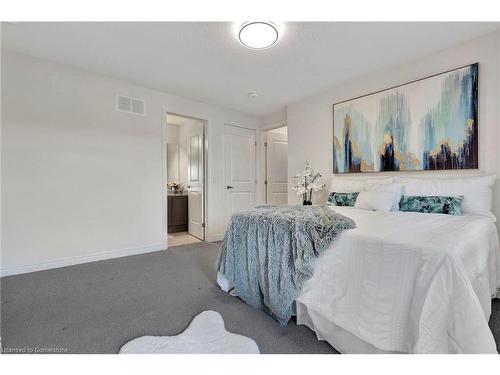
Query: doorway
{"points": [[276, 166], [186, 189]]}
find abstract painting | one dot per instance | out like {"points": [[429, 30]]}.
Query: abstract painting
{"points": [[429, 124]]}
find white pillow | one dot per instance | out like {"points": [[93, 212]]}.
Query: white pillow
{"points": [[395, 189], [375, 201], [477, 191]]}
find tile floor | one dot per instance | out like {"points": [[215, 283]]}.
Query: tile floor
{"points": [[181, 238]]}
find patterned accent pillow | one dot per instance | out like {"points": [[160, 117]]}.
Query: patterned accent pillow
{"points": [[431, 204], [342, 199]]}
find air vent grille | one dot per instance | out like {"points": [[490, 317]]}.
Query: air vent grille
{"points": [[130, 105], [123, 104], [137, 106]]}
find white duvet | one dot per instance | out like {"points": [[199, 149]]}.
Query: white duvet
{"points": [[407, 282]]}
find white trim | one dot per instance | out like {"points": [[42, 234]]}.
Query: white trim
{"points": [[205, 180], [70, 261], [164, 193], [262, 159]]}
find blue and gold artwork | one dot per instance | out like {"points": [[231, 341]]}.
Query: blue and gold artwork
{"points": [[429, 124]]}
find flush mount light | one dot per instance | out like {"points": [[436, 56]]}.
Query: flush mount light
{"points": [[258, 35]]}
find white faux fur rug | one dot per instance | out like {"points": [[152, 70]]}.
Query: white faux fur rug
{"points": [[205, 335]]}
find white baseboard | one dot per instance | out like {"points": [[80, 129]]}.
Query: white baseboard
{"points": [[71, 261]]}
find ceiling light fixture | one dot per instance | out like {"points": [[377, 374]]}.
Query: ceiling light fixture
{"points": [[258, 35]]}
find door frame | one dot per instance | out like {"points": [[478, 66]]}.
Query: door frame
{"points": [[164, 234], [263, 153]]}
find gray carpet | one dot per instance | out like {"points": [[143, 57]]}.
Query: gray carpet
{"points": [[97, 307]]}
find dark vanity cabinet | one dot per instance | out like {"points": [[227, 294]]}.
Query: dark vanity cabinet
{"points": [[177, 213]]}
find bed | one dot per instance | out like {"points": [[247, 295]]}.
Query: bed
{"points": [[404, 282]]}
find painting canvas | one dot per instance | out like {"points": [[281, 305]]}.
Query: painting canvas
{"points": [[429, 124]]}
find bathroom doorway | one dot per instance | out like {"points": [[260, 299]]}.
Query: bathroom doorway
{"points": [[186, 189]]}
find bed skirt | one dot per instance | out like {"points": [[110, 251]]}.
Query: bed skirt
{"points": [[338, 338], [341, 340]]}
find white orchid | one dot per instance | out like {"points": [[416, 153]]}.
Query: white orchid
{"points": [[316, 186], [307, 182]]}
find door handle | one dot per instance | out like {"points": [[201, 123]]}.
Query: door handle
{"points": [[229, 187]]}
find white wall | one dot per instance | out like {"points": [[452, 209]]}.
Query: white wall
{"points": [[310, 128], [172, 135], [173, 162], [81, 181], [274, 119]]}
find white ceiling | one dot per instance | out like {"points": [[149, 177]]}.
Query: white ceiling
{"points": [[204, 61]]}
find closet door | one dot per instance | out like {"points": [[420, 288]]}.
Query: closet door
{"points": [[239, 169], [277, 167]]}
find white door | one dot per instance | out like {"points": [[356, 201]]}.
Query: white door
{"points": [[277, 166], [239, 169], [195, 183]]}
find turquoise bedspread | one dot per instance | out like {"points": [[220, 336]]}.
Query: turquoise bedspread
{"points": [[267, 252]]}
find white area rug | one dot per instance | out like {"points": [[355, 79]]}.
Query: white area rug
{"points": [[205, 335]]}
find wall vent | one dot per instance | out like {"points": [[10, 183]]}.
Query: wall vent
{"points": [[130, 105]]}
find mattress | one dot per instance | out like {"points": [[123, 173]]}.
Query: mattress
{"points": [[405, 282]]}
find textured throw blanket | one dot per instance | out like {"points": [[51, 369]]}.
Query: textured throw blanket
{"points": [[268, 252]]}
